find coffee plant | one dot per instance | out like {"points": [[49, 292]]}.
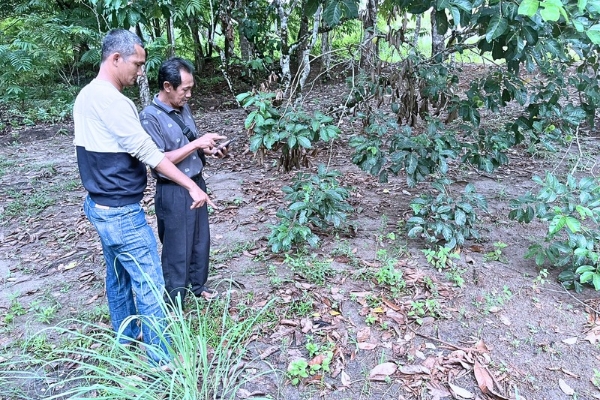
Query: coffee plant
{"points": [[443, 217], [316, 201], [571, 210], [290, 130]]}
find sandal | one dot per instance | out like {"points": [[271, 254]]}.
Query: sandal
{"points": [[208, 294]]}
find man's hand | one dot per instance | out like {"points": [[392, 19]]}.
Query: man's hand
{"points": [[199, 198], [208, 141], [219, 152]]}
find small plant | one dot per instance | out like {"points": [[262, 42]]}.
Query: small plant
{"points": [[312, 268], [496, 255], [370, 319], [541, 278], [298, 370], [455, 275], [442, 258], [316, 201], [16, 308], [321, 355], [443, 217], [420, 309], [388, 274]]}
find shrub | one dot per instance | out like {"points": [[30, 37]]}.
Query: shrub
{"points": [[444, 217], [290, 130], [572, 211], [315, 201]]}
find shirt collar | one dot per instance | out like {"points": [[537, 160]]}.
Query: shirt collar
{"points": [[164, 106]]}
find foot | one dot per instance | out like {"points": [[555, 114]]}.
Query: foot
{"points": [[208, 294]]}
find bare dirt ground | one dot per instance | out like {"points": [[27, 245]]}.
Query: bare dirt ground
{"points": [[504, 334]]}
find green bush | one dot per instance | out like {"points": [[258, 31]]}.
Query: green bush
{"points": [[572, 211], [290, 130], [315, 201], [442, 217]]}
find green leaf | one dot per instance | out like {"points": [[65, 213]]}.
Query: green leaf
{"points": [[460, 217], [255, 143], [593, 33], [557, 223], [496, 28], [304, 142], [596, 281], [550, 12], [332, 13], [573, 224], [310, 8], [529, 7]]}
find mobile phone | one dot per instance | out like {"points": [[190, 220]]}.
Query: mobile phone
{"points": [[226, 144]]}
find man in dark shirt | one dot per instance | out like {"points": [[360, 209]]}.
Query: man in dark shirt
{"points": [[184, 232]]}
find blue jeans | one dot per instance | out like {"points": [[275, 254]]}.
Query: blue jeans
{"points": [[134, 280]]}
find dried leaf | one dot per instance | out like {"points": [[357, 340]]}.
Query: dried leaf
{"points": [[366, 346], [568, 390], [345, 379], [364, 334], [70, 265], [505, 320], [458, 391], [483, 377], [400, 319], [382, 371], [270, 350], [571, 340], [317, 360], [414, 369], [593, 337]]}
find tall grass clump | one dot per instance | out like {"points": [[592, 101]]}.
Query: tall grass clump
{"points": [[207, 346]]}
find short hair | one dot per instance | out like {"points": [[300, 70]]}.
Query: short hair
{"points": [[169, 71], [120, 41]]}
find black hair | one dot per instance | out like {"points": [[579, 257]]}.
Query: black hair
{"points": [[170, 71], [120, 41]]}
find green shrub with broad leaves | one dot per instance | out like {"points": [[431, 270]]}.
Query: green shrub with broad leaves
{"points": [[289, 130], [316, 201], [444, 217], [571, 210]]}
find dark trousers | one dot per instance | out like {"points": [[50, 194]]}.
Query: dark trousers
{"points": [[185, 237]]}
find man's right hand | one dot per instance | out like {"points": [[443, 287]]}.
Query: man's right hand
{"points": [[208, 141], [199, 198]]}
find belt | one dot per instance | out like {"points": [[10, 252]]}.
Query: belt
{"points": [[164, 181]]}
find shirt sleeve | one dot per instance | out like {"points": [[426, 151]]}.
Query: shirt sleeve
{"points": [[123, 121], [152, 127]]}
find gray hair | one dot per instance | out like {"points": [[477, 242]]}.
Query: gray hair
{"points": [[120, 41]]}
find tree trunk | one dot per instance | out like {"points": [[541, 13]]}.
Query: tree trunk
{"points": [[301, 39], [437, 40], [170, 36], [325, 57], [284, 61], [198, 54], [142, 81], [368, 54], [227, 29], [417, 32], [305, 63], [156, 28]]}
